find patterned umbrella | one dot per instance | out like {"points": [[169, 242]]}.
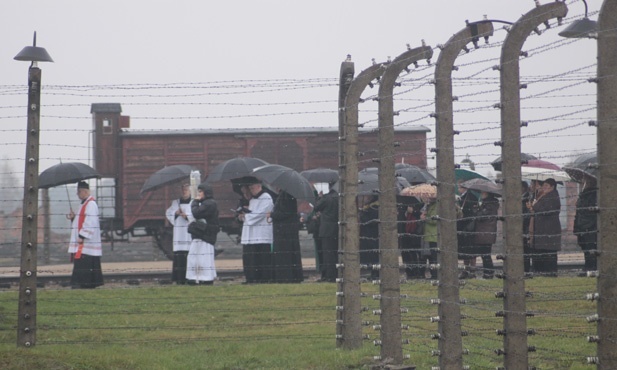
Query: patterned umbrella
{"points": [[422, 191]]}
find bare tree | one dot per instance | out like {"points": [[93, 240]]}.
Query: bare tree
{"points": [[10, 188]]}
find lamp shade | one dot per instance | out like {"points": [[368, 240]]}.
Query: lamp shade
{"points": [[580, 29], [34, 53]]}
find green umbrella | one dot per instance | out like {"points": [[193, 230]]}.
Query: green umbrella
{"points": [[465, 174]]}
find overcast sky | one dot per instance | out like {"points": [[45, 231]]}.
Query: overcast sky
{"points": [[166, 61]]}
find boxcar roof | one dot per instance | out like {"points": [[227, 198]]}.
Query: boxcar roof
{"points": [[258, 131], [106, 108]]}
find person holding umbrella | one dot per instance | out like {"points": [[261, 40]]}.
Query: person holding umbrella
{"points": [[179, 216], [257, 234], [586, 222], [200, 266], [327, 206], [485, 231], [545, 229], [286, 255], [410, 231], [85, 244]]}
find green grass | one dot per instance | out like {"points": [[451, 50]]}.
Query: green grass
{"points": [[291, 326]]}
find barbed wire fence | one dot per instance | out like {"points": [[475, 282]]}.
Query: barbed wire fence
{"points": [[557, 105]]}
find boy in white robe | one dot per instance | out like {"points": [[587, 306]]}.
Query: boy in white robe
{"points": [[179, 216]]}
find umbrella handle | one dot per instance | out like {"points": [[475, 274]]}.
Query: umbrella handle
{"points": [[68, 197]]}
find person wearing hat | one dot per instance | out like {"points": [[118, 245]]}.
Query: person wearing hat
{"points": [[327, 206], [85, 243], [200, 268], [485, 232], [179, 216], [257, 234], [546, 235]]}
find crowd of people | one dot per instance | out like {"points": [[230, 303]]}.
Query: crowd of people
{"points": [[270, 233]]}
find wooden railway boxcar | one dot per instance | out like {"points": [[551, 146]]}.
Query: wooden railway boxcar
{"points": [[126, 158]]}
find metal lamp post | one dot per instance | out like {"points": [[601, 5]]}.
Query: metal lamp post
{"points": [[26, 323], [581, 28]]}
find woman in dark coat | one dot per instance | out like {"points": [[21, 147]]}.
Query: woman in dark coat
{"points": [[546, 229], [200, 268], [468, 203], [287, 258], [485, 232], [410, 230], [369, 235]]}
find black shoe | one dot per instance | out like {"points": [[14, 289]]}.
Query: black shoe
{"points": [[465, 275], [487, 276]]}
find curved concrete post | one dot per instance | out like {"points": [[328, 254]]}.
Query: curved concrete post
{"points": [[515, 340], [450, 343], [345, 79], [350, 320], [607, 183], [391, 347]]}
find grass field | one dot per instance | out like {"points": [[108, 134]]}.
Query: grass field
{"points": [[290, 326]]}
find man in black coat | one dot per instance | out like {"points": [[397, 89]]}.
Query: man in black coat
{"points": [[546, 229], [468, 202], [526, 198], [586, 223], [327, 206]]}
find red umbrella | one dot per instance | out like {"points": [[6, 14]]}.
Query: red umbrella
{"points": [[538, 163]]}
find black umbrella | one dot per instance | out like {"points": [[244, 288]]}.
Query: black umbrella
{"points": [[166, 176], [285, 179], [482, 185], [320, 175], [415, 175], [368, 183], [398, 166], [524, 158], [66, 173], [234, 168], [583, 168]]}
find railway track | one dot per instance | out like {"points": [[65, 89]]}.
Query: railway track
{"points": [[159, 273]]}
